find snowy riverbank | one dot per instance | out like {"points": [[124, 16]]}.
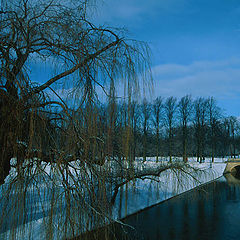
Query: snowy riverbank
{"points": [[131, 198], [145, 193]]}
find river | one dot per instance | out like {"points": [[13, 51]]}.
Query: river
{"points": [[211, 212]]}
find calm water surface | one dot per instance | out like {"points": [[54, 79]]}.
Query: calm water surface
{"points": [[210, 212]]}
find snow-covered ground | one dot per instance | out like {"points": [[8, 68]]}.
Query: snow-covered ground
{"points": [[131, 198]]}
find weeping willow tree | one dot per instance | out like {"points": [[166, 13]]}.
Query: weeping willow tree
{"points": [[53, 144]]}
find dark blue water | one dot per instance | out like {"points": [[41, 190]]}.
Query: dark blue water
{"points": [[209, 212]]}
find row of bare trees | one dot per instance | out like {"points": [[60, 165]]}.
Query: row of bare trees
{"points": [[170, 127]]}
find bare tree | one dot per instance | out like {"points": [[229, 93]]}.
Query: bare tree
{"points": [[184, 110], [134, 118], [146, 113], [81, 56], [225, 137], [157, 115], [214, 115], [200, 121], [60, 35], [233, 129], [170, 107]]}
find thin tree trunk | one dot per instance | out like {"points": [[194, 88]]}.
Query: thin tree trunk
{"points": [[157, 145], [170, 145], [184, 144]]}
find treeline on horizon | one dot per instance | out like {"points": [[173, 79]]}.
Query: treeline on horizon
{"points": [[184, 127]]}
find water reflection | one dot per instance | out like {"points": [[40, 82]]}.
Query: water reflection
{"points": [[231, 178], [210, 212]]}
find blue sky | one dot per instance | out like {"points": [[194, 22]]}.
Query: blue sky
{"points": [[195, 44]]}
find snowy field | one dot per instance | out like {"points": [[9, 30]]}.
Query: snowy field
{"points": [[131, 198]]}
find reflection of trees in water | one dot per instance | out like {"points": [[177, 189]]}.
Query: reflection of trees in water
{"points": [[215, 212], [233, 190], [172, 226], [233, 193], [185, 221], [201, 216]]}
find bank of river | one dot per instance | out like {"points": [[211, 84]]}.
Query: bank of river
{"points": [[209, 212], [142, 194]]}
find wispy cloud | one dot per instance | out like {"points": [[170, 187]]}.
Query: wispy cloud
{"points": [[204, 78], [135, 10]]}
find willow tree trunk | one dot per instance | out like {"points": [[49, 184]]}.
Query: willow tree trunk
{"points": [[10, 126]]}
